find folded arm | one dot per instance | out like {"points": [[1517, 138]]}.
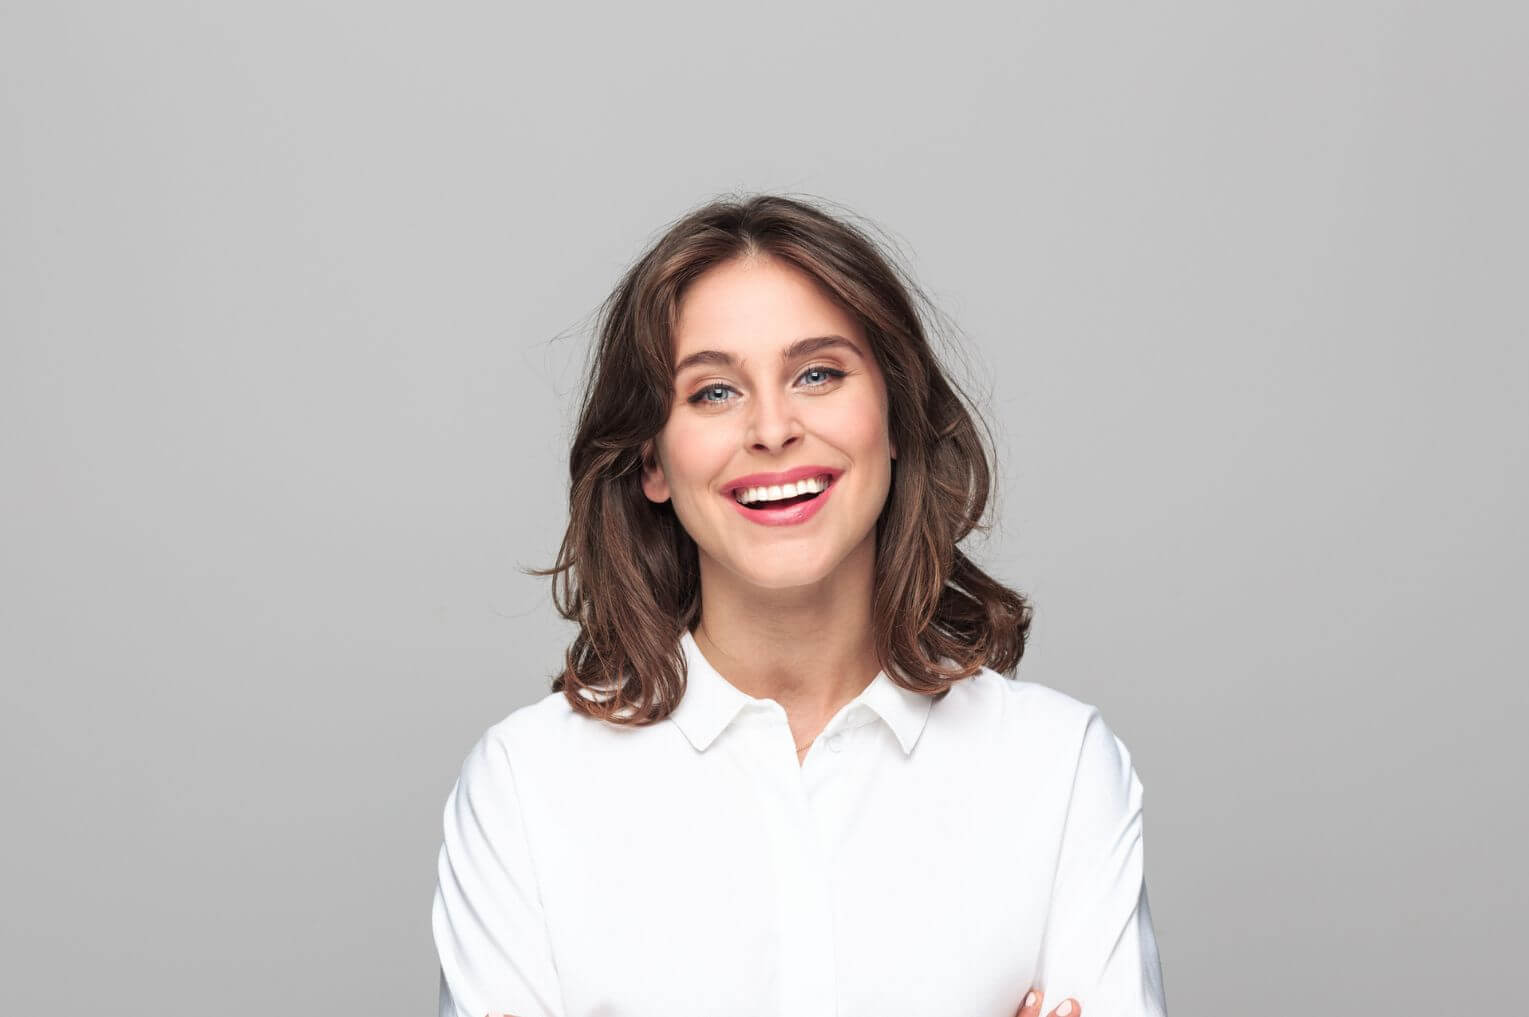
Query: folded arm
{"points": [[487, 919], [1099, 946]]}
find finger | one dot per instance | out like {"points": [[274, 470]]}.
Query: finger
{"points": [[1031, 1007], [1068, 1008]]}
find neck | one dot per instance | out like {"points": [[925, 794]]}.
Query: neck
{"points": [[811, 649]]}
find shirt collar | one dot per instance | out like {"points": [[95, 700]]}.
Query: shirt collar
{"points": [[711, 702]]}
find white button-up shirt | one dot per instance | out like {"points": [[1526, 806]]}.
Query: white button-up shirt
{"points": [[924, 858]]}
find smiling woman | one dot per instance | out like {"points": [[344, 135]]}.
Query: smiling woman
{"points": [[800, 382], [785, 768]]}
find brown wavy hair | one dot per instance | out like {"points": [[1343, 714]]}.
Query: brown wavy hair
{"points": [[627, 572]]}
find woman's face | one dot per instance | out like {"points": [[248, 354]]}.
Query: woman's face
{"points": [[751, 397]]}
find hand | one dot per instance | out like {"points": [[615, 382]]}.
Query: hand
{"points": [[1031, 1007]]}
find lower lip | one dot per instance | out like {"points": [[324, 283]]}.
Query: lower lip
{"points": [[790, 515]]}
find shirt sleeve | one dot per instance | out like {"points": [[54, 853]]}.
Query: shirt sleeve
{"points": [[490, 932], [1099, 947]]}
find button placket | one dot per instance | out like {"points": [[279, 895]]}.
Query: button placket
{"points": [[808, 978]]}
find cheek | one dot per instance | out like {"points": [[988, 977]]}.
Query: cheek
{"points": [[857, 427], [696, 453]]}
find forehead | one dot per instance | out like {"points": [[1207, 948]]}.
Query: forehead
{"points": [[756, 304]]}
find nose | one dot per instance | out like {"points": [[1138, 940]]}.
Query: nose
{"points": [[774, 425]]}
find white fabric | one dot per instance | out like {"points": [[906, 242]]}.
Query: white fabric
{"points": [[924, 858]]}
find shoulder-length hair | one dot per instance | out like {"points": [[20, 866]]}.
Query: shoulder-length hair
{"points": [[627, 572]]}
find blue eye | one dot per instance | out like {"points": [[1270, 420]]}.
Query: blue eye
{"points": [[833, 374]]}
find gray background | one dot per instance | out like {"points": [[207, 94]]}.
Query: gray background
{"points": [[295, 298]]}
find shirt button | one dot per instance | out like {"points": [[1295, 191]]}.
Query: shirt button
{"points": [[836, 742]]}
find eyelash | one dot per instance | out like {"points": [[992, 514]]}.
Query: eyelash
{"points": [[833, 373]]}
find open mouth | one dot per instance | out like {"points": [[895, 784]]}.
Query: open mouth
{"points": [[799, 493], [786, 504]]}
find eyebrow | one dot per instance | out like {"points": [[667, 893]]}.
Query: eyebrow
{"points": [[800, 348]]}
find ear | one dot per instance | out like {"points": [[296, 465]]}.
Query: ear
{"points": [[654, 483]]}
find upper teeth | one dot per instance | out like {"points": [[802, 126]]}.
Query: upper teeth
{"points": [[775, 492]]}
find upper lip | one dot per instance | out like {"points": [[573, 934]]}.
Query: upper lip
{"points": [[775, 479]]}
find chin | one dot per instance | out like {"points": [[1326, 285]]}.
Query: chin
{"points": [[787, 581], [788, 572]]}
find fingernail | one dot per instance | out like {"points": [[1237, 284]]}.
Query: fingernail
{"points": [[1030, 999], [1064, 1009]]}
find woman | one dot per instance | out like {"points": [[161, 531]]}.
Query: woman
{"points": [[810, 791]]}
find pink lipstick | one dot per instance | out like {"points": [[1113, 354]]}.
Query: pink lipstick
{"points": [[787, 511]]}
